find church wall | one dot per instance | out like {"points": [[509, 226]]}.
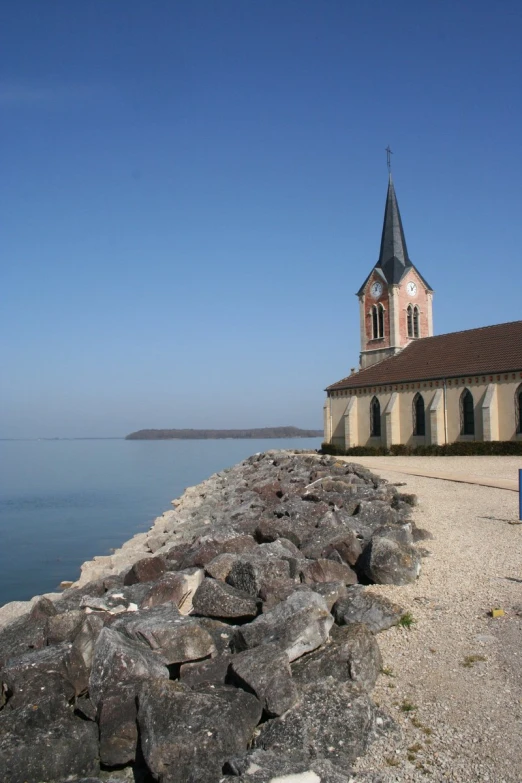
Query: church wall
{"points": [[449, 426]]}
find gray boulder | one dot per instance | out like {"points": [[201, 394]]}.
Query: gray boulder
{"points": [[251, 574], [265, 671], [147, 570], [374, 513], [165, 631], [389, 562], [297, 625], [322, 570], [218, 599], [265, 766], [120, 660], [213, 671], [46, 742], [220, 566], [361, 606], [187, 735], [64, 627], [85, 640], [351, 653], [54, 671], [332, 720], [117, 714]]}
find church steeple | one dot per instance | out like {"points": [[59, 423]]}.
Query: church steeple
{"points": [[395, 299], [393, 255]]}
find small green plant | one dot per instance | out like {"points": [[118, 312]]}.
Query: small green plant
{"points": [[407, 706], [388, 671], [469, 660], [415, 748], [407, 620], [392, 761]]}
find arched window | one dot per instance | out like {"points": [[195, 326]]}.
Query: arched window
{"points": [[416, 330], [467, 417], [410, 321], [375, 418], [518, 408], [419, 417], [413, 320], [377, 321]]}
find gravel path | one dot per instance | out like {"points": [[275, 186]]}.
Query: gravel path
{"points": [[453, 682]]}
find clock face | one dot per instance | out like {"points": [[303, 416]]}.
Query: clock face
{"points": [[411, 289], [376, 290]]}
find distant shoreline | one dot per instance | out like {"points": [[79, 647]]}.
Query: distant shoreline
{"points": [[245, 434]]}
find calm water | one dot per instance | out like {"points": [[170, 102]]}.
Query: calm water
{"points": [[63, 502]]}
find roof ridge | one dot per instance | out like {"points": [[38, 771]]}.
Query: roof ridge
{"points": [[462, 331]]}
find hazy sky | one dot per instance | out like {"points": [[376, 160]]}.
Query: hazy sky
{"points": [[193, 191]]}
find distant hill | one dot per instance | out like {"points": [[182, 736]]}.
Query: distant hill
{"points": [[264, 432]]}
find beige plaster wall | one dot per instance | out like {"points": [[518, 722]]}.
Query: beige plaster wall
{"points": [[448, 426]]}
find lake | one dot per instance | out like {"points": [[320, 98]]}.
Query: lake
{"points": [[63, 502]]}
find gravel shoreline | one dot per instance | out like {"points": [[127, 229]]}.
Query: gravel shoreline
{"points": [[454, 680]]}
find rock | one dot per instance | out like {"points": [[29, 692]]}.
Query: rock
{"points": [[402, 534], [187, 735], [374, 513], [221, 633], [86, 637], [117, 714], [64, 627], [213, 671], [84, 707], [252, 574], [345, 545], [218, 599], [120, 660], [176, 638], [387, 562], [46, 742], [146, 570], [330, 591], [189, 581], [279, 591], [52, 671], [21, 636], [265, 766], [42, 609], [297, 625], [332, 720], [361, 606], [209, 548], [156, 540], [265, 671], [322, 570], [220, 566], [351, 653]]}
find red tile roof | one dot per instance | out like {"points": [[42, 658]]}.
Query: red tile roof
{"points": [[488, 350]]}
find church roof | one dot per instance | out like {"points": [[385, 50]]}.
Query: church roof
{"points": [[483, 351], [393, 260]]}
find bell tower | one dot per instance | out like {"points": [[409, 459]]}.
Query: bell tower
{"points": [[395, 300]]}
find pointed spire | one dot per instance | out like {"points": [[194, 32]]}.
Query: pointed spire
{"points": [[393, 256]]}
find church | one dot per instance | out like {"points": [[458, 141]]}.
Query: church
{"points": [[415, 388]]}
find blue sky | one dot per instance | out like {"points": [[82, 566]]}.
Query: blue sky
{"points": [[192, 193]]}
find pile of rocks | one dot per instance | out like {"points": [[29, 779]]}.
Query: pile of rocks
{"points": [[236, 640]]}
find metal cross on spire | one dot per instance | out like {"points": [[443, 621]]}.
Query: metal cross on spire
{"points": [[389, 153]]}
